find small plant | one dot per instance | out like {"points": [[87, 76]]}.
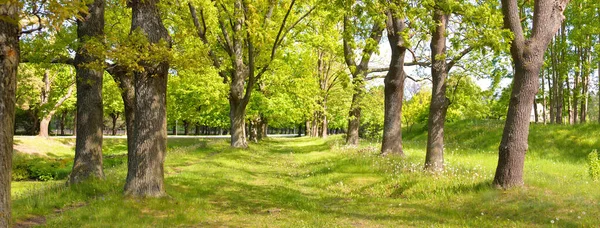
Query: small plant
{"points": [[594, 165]]}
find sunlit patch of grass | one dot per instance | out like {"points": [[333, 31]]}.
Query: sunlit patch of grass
{"points": [[304, 182]]}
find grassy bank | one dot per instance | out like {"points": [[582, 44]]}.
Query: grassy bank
{"points": [[304, 182]]}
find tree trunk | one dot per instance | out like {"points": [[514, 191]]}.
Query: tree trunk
{"points": [[237, 114], [354, 121], [528, 58], [145, 175], [9, 62], [543, 98], [324, 125], [45, 126], [186, 128], [45, 123], [394, 88], [88, 143], [434, 159], [262, 128], [63, 117], [114, 117]]}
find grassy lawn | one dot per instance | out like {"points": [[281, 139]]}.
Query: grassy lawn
{"points": [[305, 182]]}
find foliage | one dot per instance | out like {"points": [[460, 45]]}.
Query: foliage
{"points": [[467, 100], [416, 110], [31, 167], [372, 107]]}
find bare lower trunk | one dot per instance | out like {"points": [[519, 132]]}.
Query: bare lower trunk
{"points": [[145, 174], [90, 112], [9, 62], [262, 128], [45, 126], [354, 121], [237, 115], [394, 88], [516, 130]]}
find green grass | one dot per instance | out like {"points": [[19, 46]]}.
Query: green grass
{"points": [[303, 182]]}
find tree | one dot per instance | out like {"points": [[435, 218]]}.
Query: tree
{"points": [[9, 62], [90, 115], [528, 57], [352, 28], [249, 41], [49, 102], [145, 172], [479, 28], [394, 81]]}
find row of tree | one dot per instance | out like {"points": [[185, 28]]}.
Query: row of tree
{"points": [[250, 64]]}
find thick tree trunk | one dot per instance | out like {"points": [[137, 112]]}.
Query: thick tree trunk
{"points": [[434, 159], [45, 126], [354, 120], [394, 88], [237, 115], [528, 58], [90, 112], [145, 175], [516, 129], [324, 129], [9, 62], [262, 128]]}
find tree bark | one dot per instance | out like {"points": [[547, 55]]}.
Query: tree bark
{"points": [[237, 114], [528, 57], [9, 62], [145, 175], [434, 159], [394, 87], [90, 112]]}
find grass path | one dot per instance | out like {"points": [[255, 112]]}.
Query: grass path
{"points": [[305, 182]]}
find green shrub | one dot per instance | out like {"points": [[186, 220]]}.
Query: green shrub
{"points": [[594, 165], [27, 167]]}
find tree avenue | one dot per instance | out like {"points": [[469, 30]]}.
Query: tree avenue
{"points": [[392, 73]]}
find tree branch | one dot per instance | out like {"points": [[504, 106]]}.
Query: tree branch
{"points": [[457, 58], [275, 44]]}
